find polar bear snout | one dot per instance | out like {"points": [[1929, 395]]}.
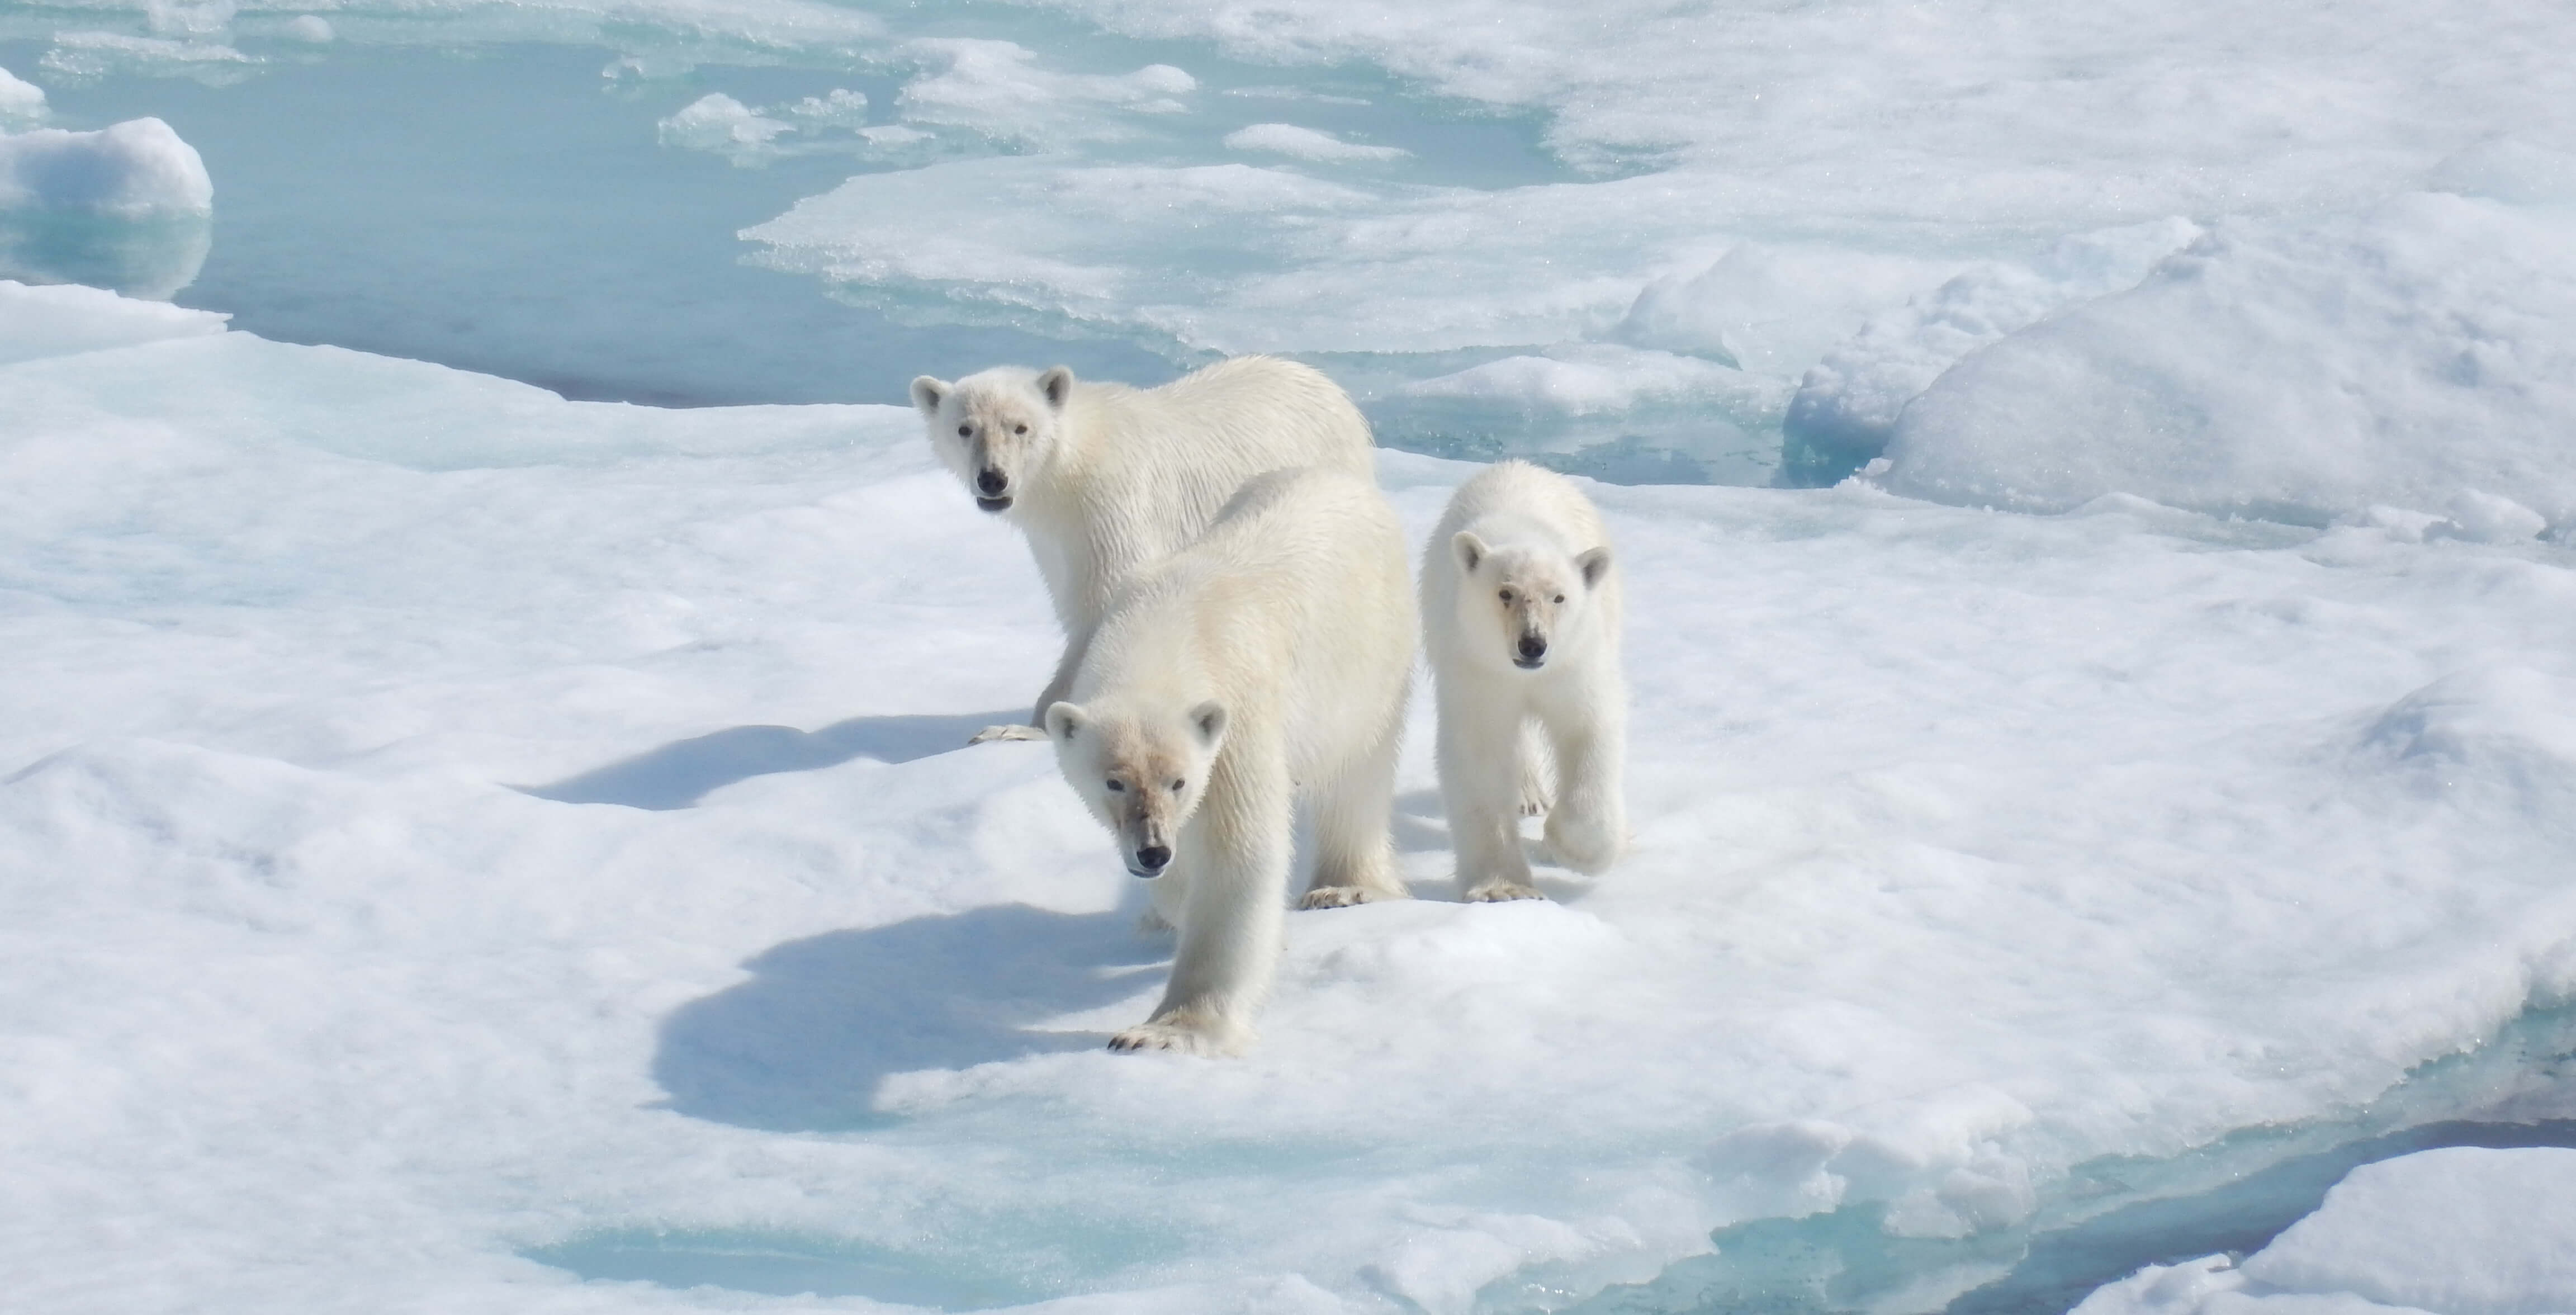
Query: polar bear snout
{"points": [[1531, 652], [1152, 859]]}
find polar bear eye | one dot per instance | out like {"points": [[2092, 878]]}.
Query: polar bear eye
{"points": [[1560, 598], [965, 431], [1118, 787], [1176, 786], [1506, 596], [1019, 429]]}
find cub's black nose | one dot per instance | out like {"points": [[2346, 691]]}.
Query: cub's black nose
{"points": [[990, 483], [1153, 857], [1533, 647]]}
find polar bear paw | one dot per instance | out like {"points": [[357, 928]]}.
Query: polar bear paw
{"points": [[1495, 892], [1183, 1036], [1342, 897], [992, 733], [1588, 845]]}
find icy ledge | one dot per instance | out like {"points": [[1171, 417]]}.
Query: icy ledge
{"points": [[445, 829], [2461, 1231]]}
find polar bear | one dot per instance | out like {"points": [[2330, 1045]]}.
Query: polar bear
{"points": [[1520, 615], [1265, 665], [1106, 479]]}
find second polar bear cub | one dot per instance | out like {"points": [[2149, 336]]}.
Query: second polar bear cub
{"points": [[1105, 479], [1266, 663], [1520, 614]]}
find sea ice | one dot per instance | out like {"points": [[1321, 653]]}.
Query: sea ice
{"points": [[535, 831], [2458, 1231], [20, 101], [138, 169]]}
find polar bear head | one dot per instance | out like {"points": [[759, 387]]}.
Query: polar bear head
{"points": [[1143, 772], [1519, 601], [996, 429]]}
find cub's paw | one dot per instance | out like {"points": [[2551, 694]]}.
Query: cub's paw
{"points": [[1536, 799], [1495, 892], [991, 733], [1342, 897], [1587, 845], [1187, 1038]]}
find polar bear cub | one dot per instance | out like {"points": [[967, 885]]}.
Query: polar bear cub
{"points": [[1520, 614], [1265, 665], [1105, 479]]}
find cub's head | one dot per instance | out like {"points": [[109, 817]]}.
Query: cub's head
{"points": [[996, 429], [1517, 603], [1142, 773]]}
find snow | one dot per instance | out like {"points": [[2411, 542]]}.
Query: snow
{"points": [[134, 170], [2458, 1231], [1307, 144], [447, 829], [65, 320]]}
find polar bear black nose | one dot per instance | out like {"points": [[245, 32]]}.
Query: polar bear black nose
{"points": [[1533, 647], [1153, 857], [991, 482]]}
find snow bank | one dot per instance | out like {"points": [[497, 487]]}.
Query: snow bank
{"points": [[134, 170], [534, 831], [2462, 1231], [2300, 368], [62, 321]]}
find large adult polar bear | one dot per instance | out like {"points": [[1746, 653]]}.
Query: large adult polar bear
{"points": [[1520, 615], [1106, 479], [1267, 663]]}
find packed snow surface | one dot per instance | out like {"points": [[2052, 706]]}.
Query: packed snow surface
{"points": [[2460, 1231], [445, 825]]}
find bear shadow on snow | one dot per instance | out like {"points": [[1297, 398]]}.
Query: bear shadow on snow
{"points": [[680, 773], [804, 1045]]}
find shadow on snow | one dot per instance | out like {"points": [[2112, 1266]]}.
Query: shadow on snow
{"points": [[804, 1045], [680, 773]]}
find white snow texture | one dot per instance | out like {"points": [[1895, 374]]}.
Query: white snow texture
{"points": [[134, 170]]}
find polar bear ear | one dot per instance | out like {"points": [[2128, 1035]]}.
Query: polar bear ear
{"points": [[1595, 564], [927, 394], [1057, 384], [1470, 550], [1063, 719], [1208, 719]]}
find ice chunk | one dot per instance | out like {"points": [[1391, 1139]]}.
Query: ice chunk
{"points": [[127, 207], [1847, 405], [2301, 368], [997, 90], [718, 122], [20, 101], [134, 170], [2459, 1231], [312, 29], [61, 321], [1772, 308], [88, 55], [1307, 144]]}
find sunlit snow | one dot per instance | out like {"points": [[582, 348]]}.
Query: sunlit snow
{"points": [[466, 849]]}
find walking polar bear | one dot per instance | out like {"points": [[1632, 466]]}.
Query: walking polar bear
{"points": [[1267, 663], [1105, 479], [1520, 614]]}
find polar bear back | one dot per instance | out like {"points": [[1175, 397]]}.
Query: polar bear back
{"points": [[1293, 608], [1152, 467]]}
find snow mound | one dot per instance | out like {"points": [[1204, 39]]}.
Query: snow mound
{"points": [[2297, 368], [1847, 404], [718, 122], [2458, 1231], [63, 321], [137, 169]]}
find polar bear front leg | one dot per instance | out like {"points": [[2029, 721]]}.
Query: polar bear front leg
{"points": [[1589, 827], [1538, 771], [1480, 780], [1236, 851]]}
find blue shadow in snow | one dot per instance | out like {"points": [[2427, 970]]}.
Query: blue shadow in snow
{"points": [[680, 773], [803, 1045]]}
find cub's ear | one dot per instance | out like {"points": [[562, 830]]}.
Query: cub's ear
{"points": [[1063, 719], [927, 394], [1595, 564], [1208, 719], [1057, 384], [1469, 550]]}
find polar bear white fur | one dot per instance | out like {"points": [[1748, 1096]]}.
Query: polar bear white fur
{"points": [[1263, 666], [1521, 614], [1106, 479]]}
